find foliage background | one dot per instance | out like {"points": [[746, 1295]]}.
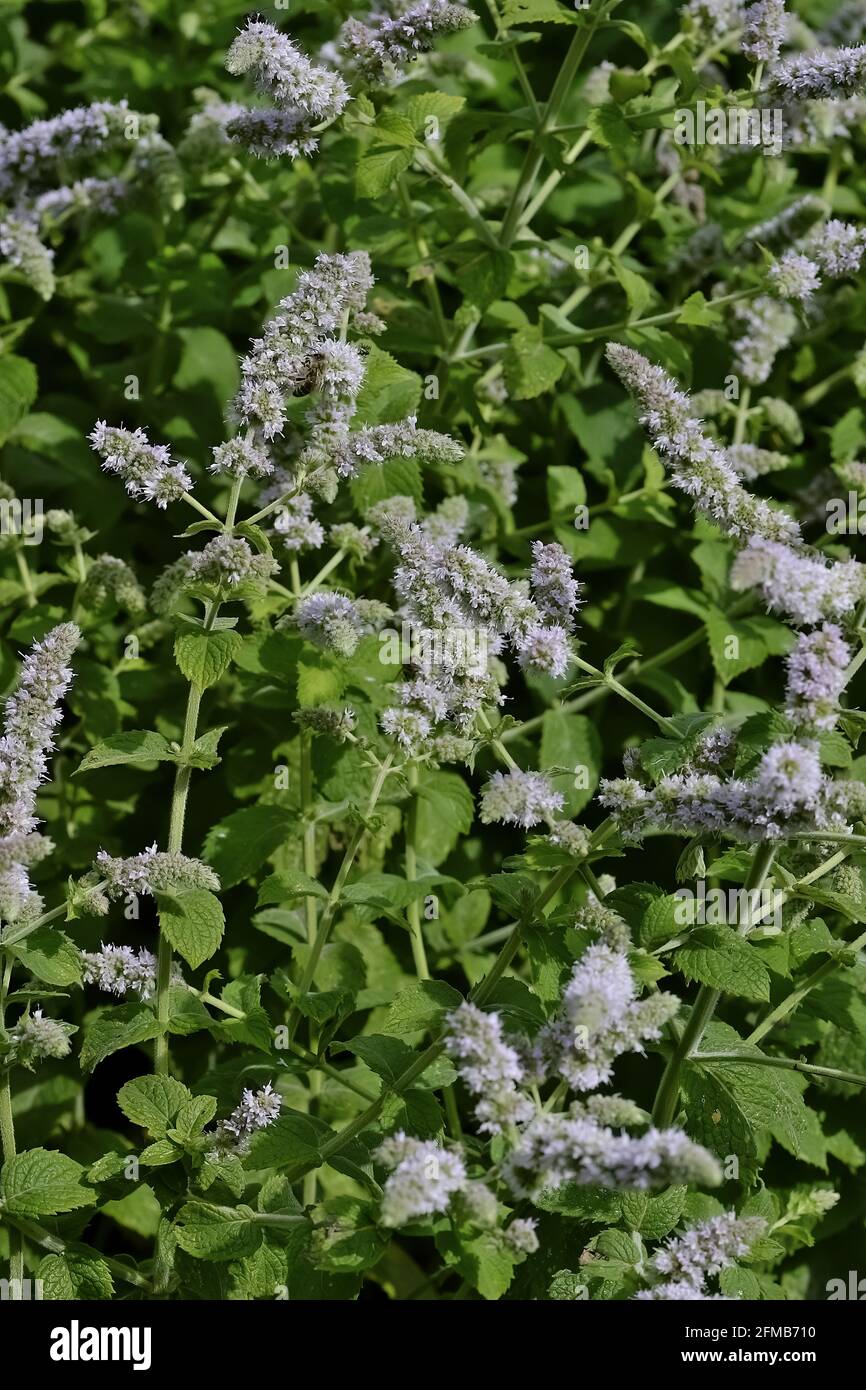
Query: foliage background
{"points": [[171, 291]]}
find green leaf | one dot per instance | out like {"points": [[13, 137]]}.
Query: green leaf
{"points": [[654, 1217], [135, 746], [217, 1233], [204, 657], [536, 12], [389, 393], [18, 389], [530, 366], [376, 172], [193, 922], [571, 741], [421, 1006], [153, 1102], [483, 273], [241, 843], [445, 812], [292, 1139], [42, 1182], [741, 645], [288, 886], [114, 1028], [75, 1275], [722, 958], [208, 360], [638, 291], [50, 956], [192, 1117], [442, 105]]}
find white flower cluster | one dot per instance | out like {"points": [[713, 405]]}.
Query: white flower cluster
{"points": [[519, 798], [337, 623], [683, 1264], [36, 1037], [558, 1148], [489, 1067], [146, 469], [32, 712], [764, 32], [153, 872], [600, 1019], [303, 94], [257, 1110], [374, 50], [816, 678], [834, 72], [802, 586], [120, 970], [788, 794], [698, 465]]}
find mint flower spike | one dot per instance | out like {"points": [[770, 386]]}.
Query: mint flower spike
{"points": [[36, 1037], [600, 1019], [35, 153], [286, 74], [32, 712], [708, 1248], [146, 469], [153, 871], [764, 31], [519, 798], [698, 466], [489, 1067], [20, 243], [805, 588], [120, 970], [816, 679], [257, 1110], [425, 1177], [558, 1148], [833, 72], [375, 49]]}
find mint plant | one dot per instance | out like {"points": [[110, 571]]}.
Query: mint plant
{"points": [[432, 819]]}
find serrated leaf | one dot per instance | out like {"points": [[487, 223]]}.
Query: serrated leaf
{"points": [[376, 172], [42, 1182], [50, 956], [421, 1006], [217, 1233], [530, 366], [18, 388], [114, 1028], [204, 657], [241, 843], [153, 1102], [134, 746], [193, 923], [75, 1275], [722, 958]]}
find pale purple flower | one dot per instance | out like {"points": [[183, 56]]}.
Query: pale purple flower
{"points": [[816, 678], [764, 32], [833, 72], [708, 1247], [146, 469], [489, 1068], [425, 1177], [574, 1148], [805, 588], [36, 1036], [794, 276], [285, 73], [519, 798], [769, 325], [121, 970], [373, 50], [152, 872], [296, 525], [240, 457], [698, 466]]}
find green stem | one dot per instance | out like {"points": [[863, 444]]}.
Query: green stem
{"points": [[26, 578], [7, 1135], [628, 695], [327, 919], [786, 1063], [534, 157], [703, 1008], [413, 911]]}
